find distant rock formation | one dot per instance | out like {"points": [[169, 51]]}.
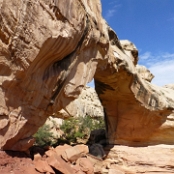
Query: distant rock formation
{"points": [[87, 103], [54, 127], [50, 50]]}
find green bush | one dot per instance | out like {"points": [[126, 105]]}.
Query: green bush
{"points": [[80, 127], [74, 128], [43, 136], [69, 129]]}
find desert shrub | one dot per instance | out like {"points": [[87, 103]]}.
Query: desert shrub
{"points": [[80, 127], [91, 123], [69, 127], [74, 128], [43, 136]]}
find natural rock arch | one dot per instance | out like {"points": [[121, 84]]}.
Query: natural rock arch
{"points": [[49, 51]]}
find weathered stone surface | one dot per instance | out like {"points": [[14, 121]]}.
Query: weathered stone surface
{"points": [[115, 171], [87, 103], [144, 73], [130, 49], [73, 153], [59, 164], [37, 157], [48, 54], [49, 50], [71, 163], [132, 160], [170, 86], [60, 149], [90, 103], [43, 167], [54, 127], [143, 119], [86, 166]]}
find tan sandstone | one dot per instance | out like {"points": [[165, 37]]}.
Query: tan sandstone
{"points": [[50, 50], [87, 103]]}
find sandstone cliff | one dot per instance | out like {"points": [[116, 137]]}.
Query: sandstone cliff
{"points": [[49, 50]]}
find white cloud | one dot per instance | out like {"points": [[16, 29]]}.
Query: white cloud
{"points": [[168, 55], [112, 10], [164, 72], [161, 66], [146, 55], [110, 13]]}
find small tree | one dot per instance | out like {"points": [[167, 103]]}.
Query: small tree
{"points": [[80, 127], [74, 128], [43, 136]]}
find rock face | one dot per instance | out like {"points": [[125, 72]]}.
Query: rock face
{"points": [[144, 119], [48, 53], [49, 50], [148, 160], [54, 127], [87, 103]]}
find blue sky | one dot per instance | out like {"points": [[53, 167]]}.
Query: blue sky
{"points": [[149, 24]]}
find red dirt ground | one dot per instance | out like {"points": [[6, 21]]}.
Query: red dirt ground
{"points": [[16, 163]]}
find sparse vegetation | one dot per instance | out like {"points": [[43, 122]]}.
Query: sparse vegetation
{"points": [[74, 128], [43, 136], [80, 127]]}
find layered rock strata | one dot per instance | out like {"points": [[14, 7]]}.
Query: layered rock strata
{"points": [[138, 113], [49, 50], [48, 53]]}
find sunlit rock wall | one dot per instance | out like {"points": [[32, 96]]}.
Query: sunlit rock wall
{"points": [[49, 50]]}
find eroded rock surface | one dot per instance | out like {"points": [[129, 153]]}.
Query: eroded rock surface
{"points": [[87, 103], [150, 159], [144, 119], [54, 127], [49, 50]]}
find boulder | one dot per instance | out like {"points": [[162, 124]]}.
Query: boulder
{"points": [[43, 167], [97, 136], [59, 164], [73, 153], [86, 166], [65, 159], [97, 150]]}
